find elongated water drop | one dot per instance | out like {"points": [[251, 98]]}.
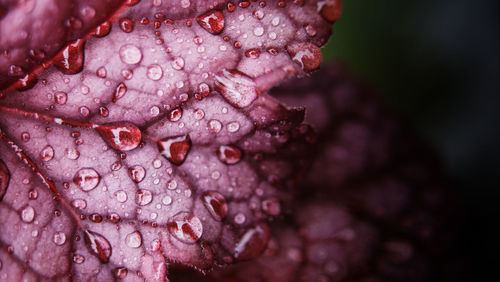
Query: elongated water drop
{"points": [[175, 149], [122, 136], [98, 245]]}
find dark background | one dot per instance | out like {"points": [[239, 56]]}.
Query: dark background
{"points": [[437, 63]]}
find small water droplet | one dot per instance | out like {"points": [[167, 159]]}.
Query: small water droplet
{"points": [[25, 136], [214, 126], [213, 21], [86, 179], [215, 204], [101, 72], [175, 149], [186, 227], [28, 214], [120, 91], [79, 204], [175, 114], [121, 196], [47, 153], [120, 272], [177, 63], [237, 88], [167, 200], [84, 111], [258, 14], [258, 31], [143, 197], [72, 153], [32, 194], [199, 114], [130, 54], [307, 55], [229, 154], [155, 72], [4, 179], [126, 25], [137, 173], [271, 206], [233, 126], [78, 259], [98, 245], [134, 239], [103, 29], [122, 136], [59, 238], [60, 98], [240, 218], [275, 21]]}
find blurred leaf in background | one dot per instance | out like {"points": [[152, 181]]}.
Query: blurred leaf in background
{"points": [[438, 65]]}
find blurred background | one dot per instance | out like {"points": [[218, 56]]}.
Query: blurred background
{"points": [[437, 63]]}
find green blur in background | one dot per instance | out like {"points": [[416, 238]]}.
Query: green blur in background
{"points": [[437, 63]]}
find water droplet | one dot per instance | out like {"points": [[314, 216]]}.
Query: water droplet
{"points": [[177, 63], [103, 111], [4, 179], [240, 218], [127, 74], [98, 245], [252, 243], [307, 55], [122, 136], [310, 30], [32, 194], [154, 72], [120, 272], [172, 184], [157, 163], [143, 197], [275, 21], [101, 72], [134, 239], [70, 59], [213, 21], [78, 259], [154, 111], [120, 91], [126, 25], [115, 218], [229, 154], [167, 200], [237, 88], [175, 149], [95, 217], [252, 53], [86, 179], [271, 206], [28, 214], [47, 153], [185, 4], [59, 238], [186, 227], [130, 54], [258, 31], [233, 126], [25, 136], [258, 14], [84, 111], [214, 126], [215, 204], [79, 204], [121, 196], [103, 29], [175, 114], [60, 98], [137, 173], [330, 10], [72, 153], [199, 114]]}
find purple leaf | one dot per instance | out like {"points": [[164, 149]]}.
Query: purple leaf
{"points": [[156, 143]]}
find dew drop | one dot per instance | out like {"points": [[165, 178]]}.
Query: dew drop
{"points": [[32, 194], [154, 72], [258, 31], [186, 227], [101, 72], [121, 196], [70, 59], [121, 136], [59, 238], [229, 154], [307, 55], [60, 98], [47, 153], [28, 214], [79, 204], [137, 173], [175, 149], [271, 206], [78, 259], [25, 136], [213, 21], [214, 126], [331, 9], [233, 126], [120, 272], [177, 63], [215, 204], [72, 153], [143, 197], [237, 88], [86, 179], [84, 111], [175, 114], [252, 243], [167, 200], [130, 54], [120, 91], [98, 245], [126, 25], [134, 239], [240, 218]]}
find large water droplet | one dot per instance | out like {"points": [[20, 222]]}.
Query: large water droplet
{"points": [[122, 136], [98, 245], [186, 227], [229, 154], [47, 153], [215, 204], [134, 239], [252, 243], [28, 214], [237, 88], [154, 72], [213, 21], [70, 59], [59, 238], [130, 54], [86, 179], [137, 173], [307, 55], [175, 149], [143, 197], [330, 9]]}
